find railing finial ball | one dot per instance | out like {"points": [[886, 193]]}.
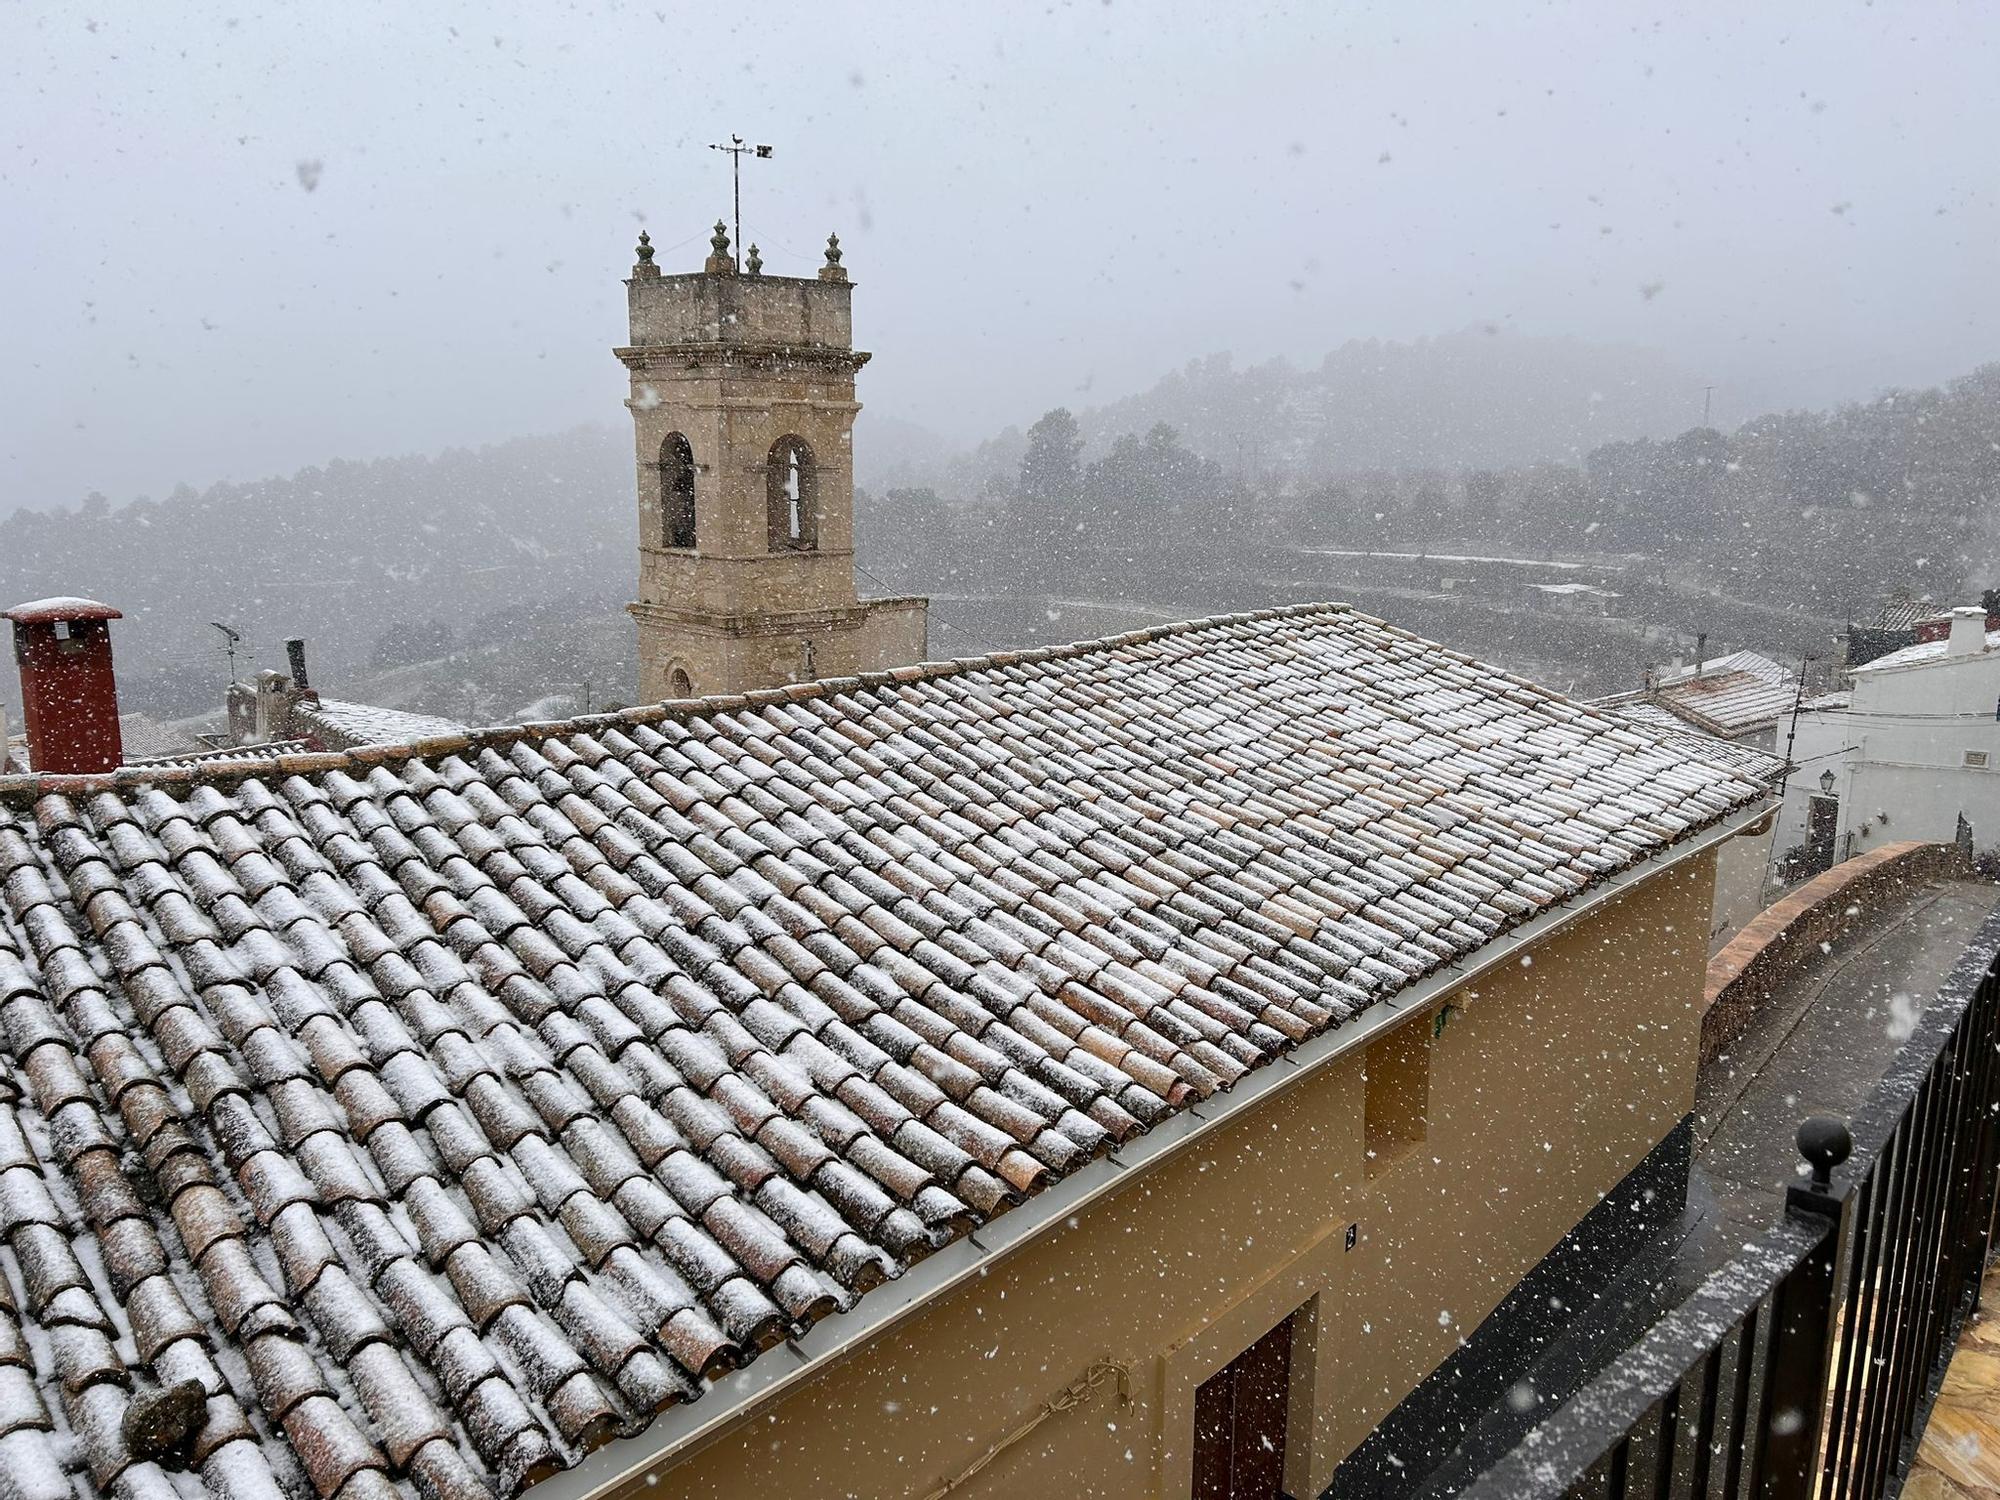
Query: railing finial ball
{"points": [[1825, 1142]]}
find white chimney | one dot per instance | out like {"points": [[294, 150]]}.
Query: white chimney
{"points": [[271, 689], [1968, 631]]}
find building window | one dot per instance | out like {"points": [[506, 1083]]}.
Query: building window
{"points": [[676, 492], [1397, 1097], [791, 479], [1976, 759], [679, 685], [1239, 1422]]}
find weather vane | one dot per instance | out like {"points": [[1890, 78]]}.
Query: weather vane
{"points": [[737, 150]]}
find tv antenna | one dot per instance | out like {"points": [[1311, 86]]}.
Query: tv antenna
{"points": [[737, 151], [230, 640]]}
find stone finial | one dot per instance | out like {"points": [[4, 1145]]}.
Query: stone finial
{"points": [[645, 267], [719, 262], [754, 263], [833, 270]]}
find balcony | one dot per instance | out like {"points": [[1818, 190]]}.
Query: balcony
{"points": [[1790, 1337]]}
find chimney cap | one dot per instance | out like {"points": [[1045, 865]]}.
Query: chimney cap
{"points": [[61, 607]]}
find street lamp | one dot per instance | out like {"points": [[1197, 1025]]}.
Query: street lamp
{"points": [[1826, 782]]}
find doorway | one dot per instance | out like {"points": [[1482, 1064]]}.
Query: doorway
{"points": [[1822, 818], [1239, 1423]]}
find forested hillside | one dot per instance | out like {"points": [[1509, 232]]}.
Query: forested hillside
{"points": [[480, 557], [1476, 397], [374, 562], [1822, 510]]}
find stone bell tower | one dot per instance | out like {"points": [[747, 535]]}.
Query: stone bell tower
{"points": [[743, 410]]}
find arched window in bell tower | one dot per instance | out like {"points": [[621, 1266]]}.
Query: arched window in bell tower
{"points": [[791, 479], [676, 492]]}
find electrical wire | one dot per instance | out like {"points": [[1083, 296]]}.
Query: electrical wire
{"points": [[1069, 1396], [1859, 713], [882, 584]]}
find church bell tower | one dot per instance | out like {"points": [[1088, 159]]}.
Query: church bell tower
{"points": [[743, 412]]}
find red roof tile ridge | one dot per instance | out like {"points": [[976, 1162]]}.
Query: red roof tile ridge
{"points": [[23, 788]]}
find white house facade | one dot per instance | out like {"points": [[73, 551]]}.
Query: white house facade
{"points": [[1915, 748]]}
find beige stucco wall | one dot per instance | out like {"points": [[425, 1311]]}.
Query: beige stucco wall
{"points": [[734, 655], [795, 310], [1550, 1081], [896, 632], [1742, 872]]}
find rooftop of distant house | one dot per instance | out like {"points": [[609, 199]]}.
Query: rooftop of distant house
{"points": [[1930, 653], [145, 739], [1741, 693], [1745, 760], [343, 724], [1901, 612]]}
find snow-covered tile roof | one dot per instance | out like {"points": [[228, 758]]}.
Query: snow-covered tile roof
{"points": [[1733, 695], [341, 725], [1902, 613], [1921, 654], [145, 740], [1729, 703], [1753, 662], [1744, 760], [440, 1111], [265, 750], [145, 737]]}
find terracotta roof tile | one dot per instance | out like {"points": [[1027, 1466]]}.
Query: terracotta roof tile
{"points": [[553, 1071]]}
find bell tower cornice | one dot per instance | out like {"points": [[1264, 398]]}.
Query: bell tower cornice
{"points": [[722, 359]]}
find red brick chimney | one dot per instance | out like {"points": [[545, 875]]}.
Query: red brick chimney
{"points": [[69, 693]]}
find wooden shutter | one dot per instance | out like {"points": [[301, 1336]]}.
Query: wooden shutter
{"points": [[1239, 1423]]}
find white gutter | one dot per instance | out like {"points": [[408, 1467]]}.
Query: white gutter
{"points": [[735, 1396]]}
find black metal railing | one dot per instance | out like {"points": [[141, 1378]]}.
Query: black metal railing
{"points": [[1806, 1366]]}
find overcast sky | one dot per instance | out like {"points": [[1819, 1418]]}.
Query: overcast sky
{"points": [[236, 240]]}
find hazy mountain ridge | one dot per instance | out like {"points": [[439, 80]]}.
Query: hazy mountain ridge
{"points": [[1475, 398], [347, 555], [1478, 398], [469, 552]]}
